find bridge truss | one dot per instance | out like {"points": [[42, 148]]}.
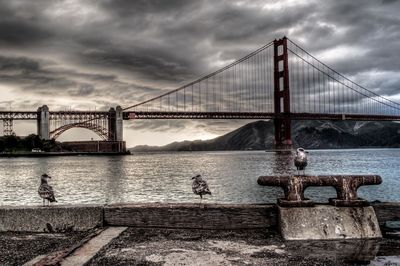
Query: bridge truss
{"points": [[61, 121]]}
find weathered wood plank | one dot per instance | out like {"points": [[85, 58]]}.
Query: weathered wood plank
{"points": [[387, 211], [191, 216], [212, 216]]}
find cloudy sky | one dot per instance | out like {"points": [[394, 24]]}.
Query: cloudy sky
{"points": [[78, 54]]}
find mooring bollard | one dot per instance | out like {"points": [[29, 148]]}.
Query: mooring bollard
{"points": [[346, 188]]}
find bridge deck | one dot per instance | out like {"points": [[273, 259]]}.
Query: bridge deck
{"points": [[31, 115], [254, 115]]}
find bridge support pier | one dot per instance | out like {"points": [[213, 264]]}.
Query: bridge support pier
{"points": [[111, 124], [282, 122], [115, 124], [43, 122], [119, 124], [7, 127]]}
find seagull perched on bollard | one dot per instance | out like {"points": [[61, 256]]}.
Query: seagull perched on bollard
{"points": [[300, 160], [45, 190], [200, 186]]}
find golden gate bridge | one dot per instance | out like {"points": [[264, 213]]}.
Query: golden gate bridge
{"points": [[279, 81]]}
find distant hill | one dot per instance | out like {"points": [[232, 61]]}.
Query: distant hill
{"points": [[316, 134]]}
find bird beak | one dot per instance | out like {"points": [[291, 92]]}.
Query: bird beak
{"points": [[307, 152], [193, 177]]}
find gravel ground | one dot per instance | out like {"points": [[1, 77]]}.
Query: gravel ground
{"points": [[246, 247], [205, 247], [18, 248]]}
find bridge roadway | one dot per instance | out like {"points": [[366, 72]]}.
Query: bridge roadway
{"points": [[254, 115], [32, 115]]}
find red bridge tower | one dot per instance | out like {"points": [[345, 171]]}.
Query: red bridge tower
{"points": [[282, 121]]}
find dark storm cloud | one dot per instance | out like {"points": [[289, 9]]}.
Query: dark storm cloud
{"points": [[37, 77], [123, 8], [369, 26], [21, 24], [17, 33], [123, 52], [18, 63], [29, 75], [147, 63]]}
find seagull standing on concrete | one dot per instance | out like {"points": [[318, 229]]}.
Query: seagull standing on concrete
{"points": [[200, 186], [45, 190], [300, 160]]}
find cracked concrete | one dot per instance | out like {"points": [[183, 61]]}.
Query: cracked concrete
{"points": [[239, 247]]}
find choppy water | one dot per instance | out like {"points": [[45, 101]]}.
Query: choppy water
{"points": [[165, 177]]}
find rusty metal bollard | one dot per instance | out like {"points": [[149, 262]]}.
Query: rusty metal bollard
{"points": [[346, 188]]}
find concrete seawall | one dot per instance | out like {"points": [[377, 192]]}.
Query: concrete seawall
{"points": [[191, 216], [57, 218], [61, 218]]}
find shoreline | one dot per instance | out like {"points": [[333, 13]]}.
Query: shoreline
{"points": [[263, 150], [51, 154]]}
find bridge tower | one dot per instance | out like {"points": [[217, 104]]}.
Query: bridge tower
{"points": [[111, 124], [43, 122], [7, 126], [119, 124], [115, 124], [282, 121]]}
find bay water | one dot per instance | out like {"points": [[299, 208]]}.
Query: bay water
{"points": [[166, 177]]}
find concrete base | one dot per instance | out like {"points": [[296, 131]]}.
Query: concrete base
{"points": [[324, 222], [58, 218]]}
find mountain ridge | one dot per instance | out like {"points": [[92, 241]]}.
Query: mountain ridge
{"points": [[316, 134]]}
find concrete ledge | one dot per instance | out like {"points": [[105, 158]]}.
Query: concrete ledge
{"points": [[57, 218], [191, 216], [155, 215]]}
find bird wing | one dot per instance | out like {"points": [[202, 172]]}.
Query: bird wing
{"points": [[204, 186], [195, 187], [46, 192], [200, 187], [46, 188]]}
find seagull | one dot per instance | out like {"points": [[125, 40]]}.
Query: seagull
{"points": [[45, 190], [300, 159], [200, 187]]}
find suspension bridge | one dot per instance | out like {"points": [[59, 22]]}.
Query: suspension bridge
{"points": [[279, 81]]}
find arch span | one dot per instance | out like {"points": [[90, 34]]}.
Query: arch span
{"points": [[99, 130]]}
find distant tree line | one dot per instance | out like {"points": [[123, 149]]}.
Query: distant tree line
{"points": [[14, 143]]}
